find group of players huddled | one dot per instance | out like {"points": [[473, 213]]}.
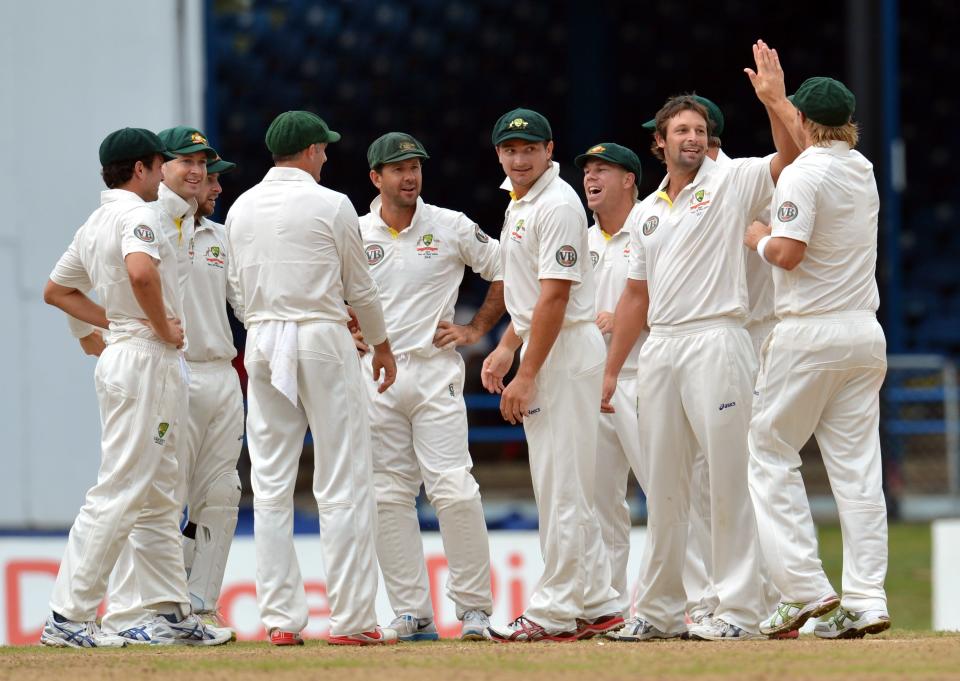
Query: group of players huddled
{"points": [[698, 336]]}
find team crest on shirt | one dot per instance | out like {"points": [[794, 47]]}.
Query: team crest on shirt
{"points": [[374, 254], [190, 249], [428, 246], [626, 253], [480, 234], [787, 211], [650, 226], [518, 230], [594, 258], [145, 234], [214, 257], [566, 256], [162, 429], [699, 202]]}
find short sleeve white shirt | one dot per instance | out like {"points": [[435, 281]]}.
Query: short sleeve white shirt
{"points": [[544, 236], [419, 270], [610, 256], [205, 301], [827, 198], [690, 250], [123, 224]]}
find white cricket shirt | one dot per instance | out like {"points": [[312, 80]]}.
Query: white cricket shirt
{"points": [[123, 224], [610, 256], [690, 250], [419, 270], [544, 236], [205, 300], [827, 198], [294, 253]]}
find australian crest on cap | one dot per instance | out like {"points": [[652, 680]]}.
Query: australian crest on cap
{"points": [[517, 123], [197, 138], [599, 149], [407, 146]]}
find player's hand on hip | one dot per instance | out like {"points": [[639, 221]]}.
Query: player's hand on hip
{"points": [[516, 399], [450, 335], [609, 388], [605, 322], [354, 323], [362, 347], [92, 344], [767, 80], [171, 332], [756, 230], [495, 367], [384, 362]]}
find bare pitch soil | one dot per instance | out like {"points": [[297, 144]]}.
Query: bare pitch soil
{"points": [[900, 655]]}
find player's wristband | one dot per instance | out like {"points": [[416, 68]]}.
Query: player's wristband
{"points": [[761, 245]]}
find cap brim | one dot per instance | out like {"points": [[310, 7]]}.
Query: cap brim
{"points": [[404, 157], [510, 135], [332, 136], [220, 166], [194, 148], [650, 126], [169, 155], [581, 161]]}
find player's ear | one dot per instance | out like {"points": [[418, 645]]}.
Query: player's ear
{"points": [[375, 179], [549, 148]]}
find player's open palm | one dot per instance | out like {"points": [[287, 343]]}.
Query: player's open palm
{"points": [[495, 367], [767, 80]]}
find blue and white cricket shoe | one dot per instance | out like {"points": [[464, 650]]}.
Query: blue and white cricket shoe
{"points": [[409, 628], [160, 631], [69, 634]]}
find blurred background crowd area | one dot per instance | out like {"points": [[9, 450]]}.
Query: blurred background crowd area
{"points": [[444, 70]]}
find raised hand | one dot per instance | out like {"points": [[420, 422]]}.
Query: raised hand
{"points": [[767, 80]]}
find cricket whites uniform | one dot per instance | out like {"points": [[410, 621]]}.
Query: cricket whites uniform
{"points": [[821, 373], [545, 237], [618, 440], [419, 426], [139, 390], [295, 254], [695, 385]]}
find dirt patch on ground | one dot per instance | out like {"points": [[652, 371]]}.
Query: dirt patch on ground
{"points": [[900, 656]]}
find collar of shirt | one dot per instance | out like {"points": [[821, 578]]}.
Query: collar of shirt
{"points": [[603, 232], [287, 174], [202, 223], [722, 158], [111, 195], [174, 205], [706, 168], [548, 176], [394, 234], [835, 148]]}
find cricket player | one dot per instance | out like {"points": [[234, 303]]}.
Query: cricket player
{"points": [[122, 254], [417, 253], [295, 255], [821, 373], [697, 365], [549, 292], [611, 174]]}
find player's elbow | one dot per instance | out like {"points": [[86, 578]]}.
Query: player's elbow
{"points": [[51, 293]]}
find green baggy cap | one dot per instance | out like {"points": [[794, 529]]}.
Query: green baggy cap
{"points": [[615, 153], [128, 144], [393, 147], [523, 124], [219, 165], [713, 112], [183, 140], [825, 101], [293, 131]]}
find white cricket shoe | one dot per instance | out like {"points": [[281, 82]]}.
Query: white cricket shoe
{"points": [[475, 623], [849, 624], [68, 634], [409, 628], [792, 616], [160, 631], [638, 629], [719, 630], [212, 618]]}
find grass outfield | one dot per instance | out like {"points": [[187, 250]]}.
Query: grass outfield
{"points": [[905, 655]]}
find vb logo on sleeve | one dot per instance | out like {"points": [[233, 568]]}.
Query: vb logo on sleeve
{"points": [[787, 211], [567, 256]]}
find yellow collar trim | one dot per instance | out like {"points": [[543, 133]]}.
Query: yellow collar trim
{"points": [[606, 236], [666, 197], [394, 234], [179, 224]]}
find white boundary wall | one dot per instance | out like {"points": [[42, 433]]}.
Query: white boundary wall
{"points": [[28, 567], [945, 566], [70, 72]]}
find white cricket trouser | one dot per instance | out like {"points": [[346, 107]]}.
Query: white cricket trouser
{"points": [[618, 450], [758, 334], [821, 375], [333, 402], [208, 482], [698, 566], [419, 432], [561, 429], [139, 390], [695, 386]]}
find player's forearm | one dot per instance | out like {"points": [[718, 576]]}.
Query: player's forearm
{"points": [[782, 130], [631, 320], [784, 252], [75, 304], [491, 310], [148, 290], [510, 340], [544, 328]]}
